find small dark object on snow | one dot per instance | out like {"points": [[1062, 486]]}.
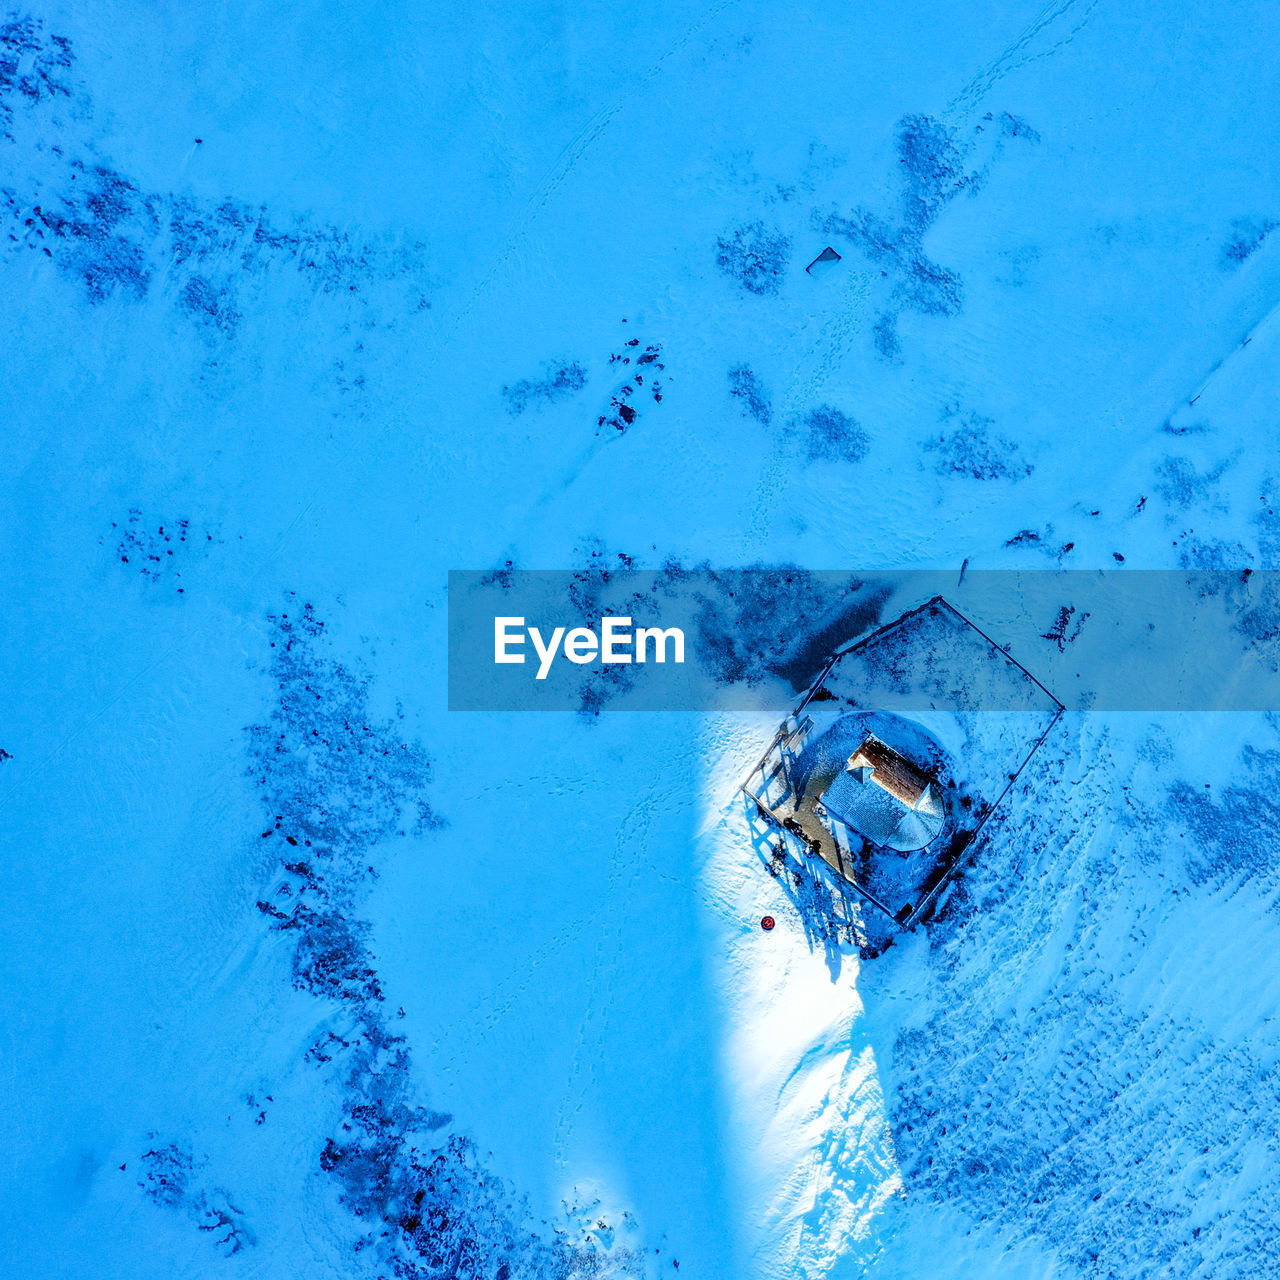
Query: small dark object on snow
{"points": [[767, 923], [824, 262]]}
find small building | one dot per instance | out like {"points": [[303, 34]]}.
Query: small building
{"points": [[890, 766], [885, 798], [823, 263]]}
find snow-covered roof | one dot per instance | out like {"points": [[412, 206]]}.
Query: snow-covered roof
{"points": [[882, 765], [885, 798]]}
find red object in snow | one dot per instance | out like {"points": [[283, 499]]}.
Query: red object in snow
{"points": [[767, 923]]}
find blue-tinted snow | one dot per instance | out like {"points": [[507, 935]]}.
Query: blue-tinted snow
{"points": [[295, 338]]}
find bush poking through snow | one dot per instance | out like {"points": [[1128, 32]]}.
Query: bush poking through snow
{"points": [[933, 169], [156, 549], [751, 392], [111, 237], [1247, 237], [557, 382], [833, 436], [755, 256], [973, 450], [168, 1176], [336, 782]]}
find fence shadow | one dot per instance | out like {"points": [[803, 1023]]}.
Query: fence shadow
{"points": [[832, 915]]}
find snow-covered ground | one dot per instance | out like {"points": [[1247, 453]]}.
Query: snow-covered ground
{"points": [[304, 306]]}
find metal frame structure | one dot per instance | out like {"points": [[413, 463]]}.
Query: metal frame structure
{"points": [[794, 729]]}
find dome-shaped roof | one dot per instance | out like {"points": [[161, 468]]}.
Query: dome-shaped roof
{"points": [[885, 798]]}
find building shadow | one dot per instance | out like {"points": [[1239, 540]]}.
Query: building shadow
{"points": [[835, 920]]}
